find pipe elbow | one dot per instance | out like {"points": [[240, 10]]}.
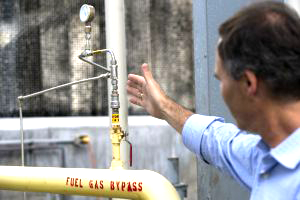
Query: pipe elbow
{"points": [[156, 186]]}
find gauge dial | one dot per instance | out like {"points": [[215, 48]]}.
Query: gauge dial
{"points": [[86, 13]]}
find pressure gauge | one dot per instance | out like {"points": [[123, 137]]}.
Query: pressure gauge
{"points": [[86, 13]]}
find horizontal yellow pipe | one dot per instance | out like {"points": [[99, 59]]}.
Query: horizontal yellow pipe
{"points": [[129, 184]]}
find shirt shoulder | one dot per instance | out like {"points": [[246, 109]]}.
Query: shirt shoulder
{"points": [[223, 145]]}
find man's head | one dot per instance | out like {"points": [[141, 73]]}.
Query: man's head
{"points": [[264, 38]]}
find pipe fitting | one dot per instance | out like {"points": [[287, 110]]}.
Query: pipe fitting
{"points": [[115, 103], [114, 71], [83, 139], [116, 135], [88, 28]]}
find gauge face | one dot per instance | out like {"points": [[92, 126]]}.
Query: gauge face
{"points": [[86, 13]]}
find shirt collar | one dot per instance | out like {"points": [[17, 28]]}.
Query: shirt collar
{"points": [[287, 153], [262, 146]]}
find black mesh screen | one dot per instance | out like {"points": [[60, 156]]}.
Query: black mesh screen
{"points": [[40, 42], [41, 39]]}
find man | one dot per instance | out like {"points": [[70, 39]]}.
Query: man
{"points": [[258, 66]]}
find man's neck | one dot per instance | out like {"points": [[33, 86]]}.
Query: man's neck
{"points": [[280, 121]]}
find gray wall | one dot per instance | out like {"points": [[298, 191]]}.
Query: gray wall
{"points": [[207, 16]]}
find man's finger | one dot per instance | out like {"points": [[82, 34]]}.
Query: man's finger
{"points": [[146, 72], [134, 92], [134, 85], [139, 80], [135, 101]]}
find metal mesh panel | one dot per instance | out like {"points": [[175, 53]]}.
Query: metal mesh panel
{"points": [[160, 33], [40, 41]]}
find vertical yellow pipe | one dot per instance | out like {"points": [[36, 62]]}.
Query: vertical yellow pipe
{"points": [[116, 135], [116, 41]]}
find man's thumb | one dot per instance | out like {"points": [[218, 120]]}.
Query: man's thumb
{"points": [[146, 72]]}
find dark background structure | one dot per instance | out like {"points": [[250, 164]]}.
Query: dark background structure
{"points": [[40, 41]]}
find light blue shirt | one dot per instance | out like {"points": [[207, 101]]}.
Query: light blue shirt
{"points": [[269, 173]]}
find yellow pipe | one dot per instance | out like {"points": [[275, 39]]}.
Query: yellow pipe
{"points": [[116, 135], [129, 184]]}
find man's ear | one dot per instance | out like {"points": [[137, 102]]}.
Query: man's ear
{"points": [[251, 82]]}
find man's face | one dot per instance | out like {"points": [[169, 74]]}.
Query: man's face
{"points": [[234, 95]]}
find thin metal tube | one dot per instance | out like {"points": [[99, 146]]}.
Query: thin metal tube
{"points": [[22, 139], [81, 57], [64, 85], [107, 51], [40, 142], [21, 132], [87, 54]]}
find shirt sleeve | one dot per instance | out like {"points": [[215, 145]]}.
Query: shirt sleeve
{"points": [[223, 145]]}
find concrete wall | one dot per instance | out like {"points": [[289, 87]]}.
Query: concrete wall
{"points": [[153, 143]]}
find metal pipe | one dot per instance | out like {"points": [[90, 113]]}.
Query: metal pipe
{"points": [[81, 139], [115, 40], [82, 57], [20, 101], [91, 53], [130, 184], [64, 85], [111, 53], [174, 177]]}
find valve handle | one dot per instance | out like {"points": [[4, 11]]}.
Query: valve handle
{"points": [[130, 154]]}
